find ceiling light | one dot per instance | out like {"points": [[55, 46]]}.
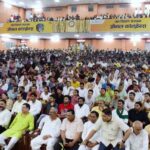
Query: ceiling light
{"points": [[108, 38], [121, 35], [98, 35], [34, 38], [57, 1], [6, 35], [55, 38], [76, 35], [146, 34]]}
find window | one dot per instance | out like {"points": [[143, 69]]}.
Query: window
{"points": [[109, 6], [46, 9], [90, 7], [124, 5], [73, 8], [58, 8]]}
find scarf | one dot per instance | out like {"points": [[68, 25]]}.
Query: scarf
{"points": [[120, 114]]}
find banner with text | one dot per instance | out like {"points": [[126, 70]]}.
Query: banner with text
{"points": [[45, 27], [121, 25]]}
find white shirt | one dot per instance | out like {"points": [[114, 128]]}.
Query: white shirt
{"points": [[82, 92], [137, 142], [5, 117], [114, 112], [72, 128], [89, 101], [81, 111], [68, 90], [144, 90], [139, 97], [147, 105], [129, 104], [50, 127], [110, 131], [35, 108], [45, 96], [88, 126], [5, 87], [17, 107]]}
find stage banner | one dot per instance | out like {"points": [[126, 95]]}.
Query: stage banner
{"points": [[26, 27], [45, 27], [121, 25]]}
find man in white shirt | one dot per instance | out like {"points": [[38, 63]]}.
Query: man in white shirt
{"points": [[82, 90], [5, 116], [110, 128], [121, 112], [35, 105], [89, 98], [71, 130], [147, 101], [17, 107], [138, 140], [81, 109], [68, 89], [130, 102], [50, 131], [88, 126], [45, 94], [138, 94]]}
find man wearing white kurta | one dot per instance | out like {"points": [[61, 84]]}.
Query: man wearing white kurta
{"points": [[50, 131], [17, 107], [35, 105], [138, 140], [5, 116], [88, 126], [81, 109]]}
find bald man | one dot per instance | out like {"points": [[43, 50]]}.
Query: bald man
{"points": [[138, 140], [50, 131]]}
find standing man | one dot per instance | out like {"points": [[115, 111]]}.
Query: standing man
{"points": [[110, 127]]}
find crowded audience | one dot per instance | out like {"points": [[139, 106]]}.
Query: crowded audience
{"points": [[75, 100], [138, 13]]}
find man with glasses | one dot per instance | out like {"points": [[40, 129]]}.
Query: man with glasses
{"points": [[49, 129]]}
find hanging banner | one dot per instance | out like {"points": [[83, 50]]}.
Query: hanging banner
{"points": [[121, 25], [45, 27]]}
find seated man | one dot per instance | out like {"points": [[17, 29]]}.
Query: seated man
{"points": [[110, 128], [64, 107], [88, 126], [137, 113], [35, 105], [5, 116], [81, 109], [17, 107], [71, 130], [138, 140], [121, 112], [23, 122], [50, 130]]}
